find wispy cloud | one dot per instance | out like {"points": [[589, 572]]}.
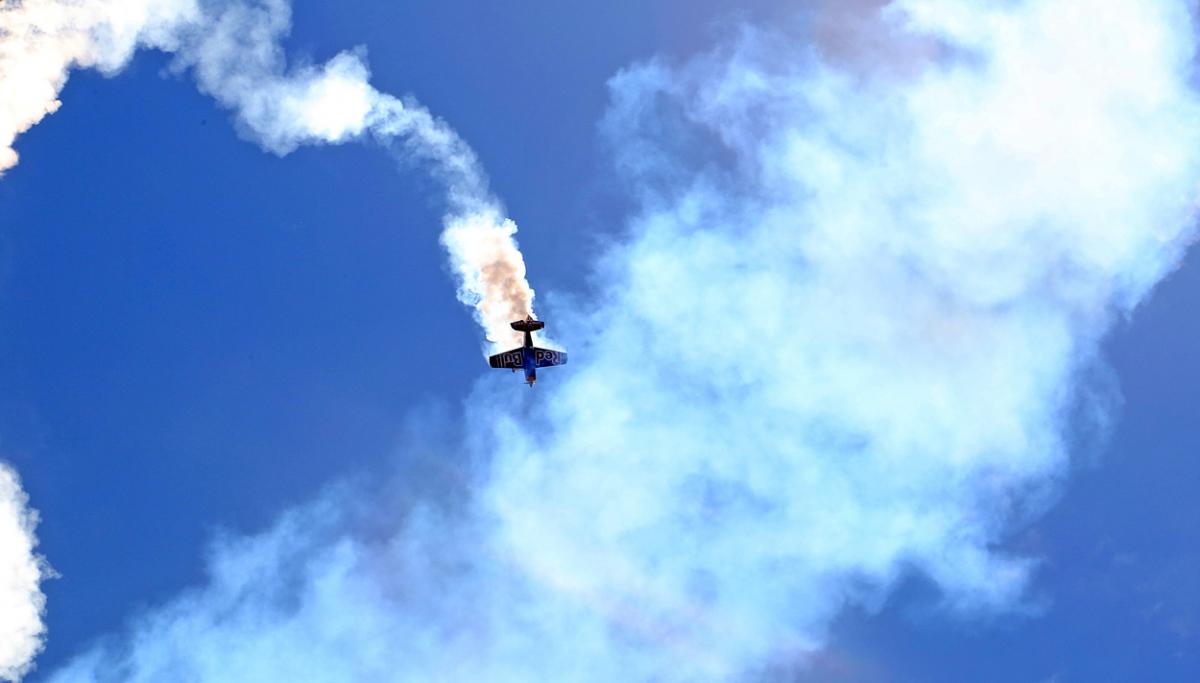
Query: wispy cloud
{"points": [[838, 345], [22, 603]]}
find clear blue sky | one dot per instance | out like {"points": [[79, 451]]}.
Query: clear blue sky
{"points": [[198, 335]]}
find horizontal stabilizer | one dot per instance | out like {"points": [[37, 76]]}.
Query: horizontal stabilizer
{"points": [[527, 325]]}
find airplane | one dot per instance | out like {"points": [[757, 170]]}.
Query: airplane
{"points": [[528, 357]]}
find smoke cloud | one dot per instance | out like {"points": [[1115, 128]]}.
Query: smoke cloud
{"points": [[232, 47], [837, 347], [21, 573]]}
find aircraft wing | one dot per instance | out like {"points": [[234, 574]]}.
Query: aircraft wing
{"points": [[509, 360], [545, 357]]}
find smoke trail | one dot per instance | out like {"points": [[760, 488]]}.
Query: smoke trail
{"points": [[857, 303], [232, 47], [21, 573]]}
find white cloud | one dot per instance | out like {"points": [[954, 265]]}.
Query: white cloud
{"points": [[838, 346], [21, 573]]}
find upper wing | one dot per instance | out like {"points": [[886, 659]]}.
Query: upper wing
{"points": [[545, 357], [510, 360]]}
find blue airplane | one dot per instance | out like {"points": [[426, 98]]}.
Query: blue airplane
{"points": [[528, 357]]}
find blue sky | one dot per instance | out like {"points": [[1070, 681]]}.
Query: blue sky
{"points": [[200, 336]]}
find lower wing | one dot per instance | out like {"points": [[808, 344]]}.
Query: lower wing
{"points": [[509, 360], [544, 358]]}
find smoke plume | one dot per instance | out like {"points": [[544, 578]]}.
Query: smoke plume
{"points": [[232, 48], [857, 300], [21, 573]]}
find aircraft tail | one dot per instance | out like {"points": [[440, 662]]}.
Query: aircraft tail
{"points": [[527, 325]]}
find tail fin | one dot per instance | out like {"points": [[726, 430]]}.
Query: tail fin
{"points": [[527, 325]]}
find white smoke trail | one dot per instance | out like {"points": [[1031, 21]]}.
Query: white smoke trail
{"points": [[233, 49], [21, 573], [41, 40], [838, 347]]}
